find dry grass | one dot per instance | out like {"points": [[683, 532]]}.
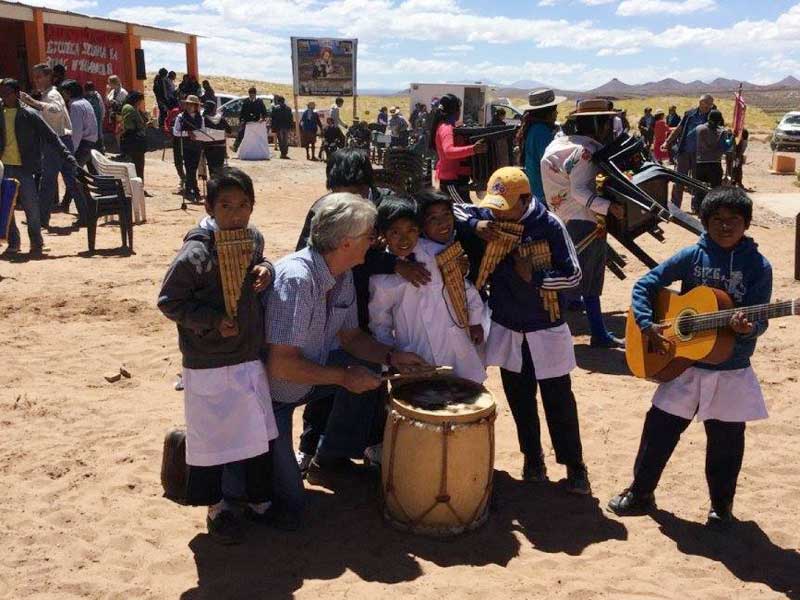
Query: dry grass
{"points": [[758, 121]]}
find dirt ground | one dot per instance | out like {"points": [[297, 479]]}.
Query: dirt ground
{"points": [[83, 515]]}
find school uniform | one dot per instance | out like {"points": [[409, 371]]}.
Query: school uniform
{"points": [[192, 148], [531, 350], [227, 401], [724, 396], [422, 320]]}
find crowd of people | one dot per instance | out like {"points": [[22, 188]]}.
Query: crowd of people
{"points": [[362, 294]]}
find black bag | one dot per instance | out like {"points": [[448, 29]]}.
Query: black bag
{"points": [[174, 473]]}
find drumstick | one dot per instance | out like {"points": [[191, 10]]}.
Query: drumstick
{"points": [[433, 371]]}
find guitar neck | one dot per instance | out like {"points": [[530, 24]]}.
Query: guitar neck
{"points": [[722, 318]]}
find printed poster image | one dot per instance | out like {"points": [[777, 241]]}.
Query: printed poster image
{"points": [[324, 66]]}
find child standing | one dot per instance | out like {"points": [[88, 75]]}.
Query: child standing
{"points": [[226, 399], [422, 319], [723, 396], [529, 347]]}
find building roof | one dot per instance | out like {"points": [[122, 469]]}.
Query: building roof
{"points": [[23, 12]]}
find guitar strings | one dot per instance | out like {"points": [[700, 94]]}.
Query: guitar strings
{"points": [[708, 318]]}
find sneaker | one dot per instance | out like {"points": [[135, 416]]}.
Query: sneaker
{"points": [[534, 470], [303, 460], [629, 504], [720, 517], [225, 528], [578, 480], [608, 342], [372, 455]]}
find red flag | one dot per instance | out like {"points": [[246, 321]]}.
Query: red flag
{"points": [[739, 110]]}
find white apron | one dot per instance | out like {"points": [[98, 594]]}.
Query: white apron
{"points": [[228, 414], [731, 396], [255, 143], [552, 350]]}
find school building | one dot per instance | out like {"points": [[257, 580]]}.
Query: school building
{"points": [[91, 48]]}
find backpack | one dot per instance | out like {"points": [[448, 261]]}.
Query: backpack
{"points": [[169, 122]]}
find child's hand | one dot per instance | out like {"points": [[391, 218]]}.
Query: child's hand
{"points": [[414, 273], [228, 327], [487, 230], [656, 342], [740, 324], [263, 278], [476, 334]]}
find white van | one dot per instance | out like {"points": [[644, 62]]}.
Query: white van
{"points": [[478, 101]]}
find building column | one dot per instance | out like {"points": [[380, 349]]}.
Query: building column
{"points": [[35, 44], [129, 46], [191, 57]]}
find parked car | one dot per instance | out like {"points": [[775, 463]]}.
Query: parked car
{"points": [[231, 110], [225, 97], [787, 134]]}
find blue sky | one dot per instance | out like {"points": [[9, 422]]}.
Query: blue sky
{"points": [[573, 44]]}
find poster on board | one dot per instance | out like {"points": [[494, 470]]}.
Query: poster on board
{"points": [[324, 66]]}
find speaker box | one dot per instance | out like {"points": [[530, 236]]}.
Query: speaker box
{"points": [[141, 71]]}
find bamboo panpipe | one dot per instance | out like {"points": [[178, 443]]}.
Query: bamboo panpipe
{"points": [[497, 250], [235, 253], [448, 262], [538, 253]]}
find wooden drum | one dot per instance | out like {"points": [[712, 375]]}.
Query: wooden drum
{"points": [[438, 456]]}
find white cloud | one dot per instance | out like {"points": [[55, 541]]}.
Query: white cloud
{"points": [[619, 51], [630, 8]]}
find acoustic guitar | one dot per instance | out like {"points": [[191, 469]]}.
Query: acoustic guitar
{"points": [[697, 329]]}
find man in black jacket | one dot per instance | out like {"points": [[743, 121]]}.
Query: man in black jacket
{"points": [[160, 91], [21, 147], [282, 123], [253, 110]]}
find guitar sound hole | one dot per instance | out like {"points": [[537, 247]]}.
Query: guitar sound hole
{"points": [[683, 326]]}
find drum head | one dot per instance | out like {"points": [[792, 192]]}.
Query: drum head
{"points": [[441, 399]]}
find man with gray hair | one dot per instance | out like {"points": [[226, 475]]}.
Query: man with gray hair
{"points": [[685, 137], [310, 311]]}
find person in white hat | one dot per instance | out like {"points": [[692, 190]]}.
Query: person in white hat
{"points": [[186, 124], [569, 181]]}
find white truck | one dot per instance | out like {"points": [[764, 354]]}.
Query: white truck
{"points": [[478, 101]]}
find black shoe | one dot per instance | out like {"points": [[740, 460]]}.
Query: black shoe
{"points": [[225, 528], [265, 518], [534, 470], [608, 342], [629, 504], [330, 463], [720, 517], [285, 156], [578, 480]]}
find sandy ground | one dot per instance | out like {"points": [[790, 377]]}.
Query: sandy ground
{"points": [[83, 516]]}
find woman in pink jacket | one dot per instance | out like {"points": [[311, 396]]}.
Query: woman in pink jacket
{"points": [[453, 176]]}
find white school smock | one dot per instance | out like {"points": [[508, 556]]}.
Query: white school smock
{"points": [[732, 396], [228, 413], [419, 319], [552, 350]]}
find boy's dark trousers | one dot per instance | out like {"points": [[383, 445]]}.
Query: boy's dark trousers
{"points": [[724, 452], [191, 160], [560, 411]]}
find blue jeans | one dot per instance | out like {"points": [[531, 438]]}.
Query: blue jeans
{"points": [[52, 165], [29, 200]]}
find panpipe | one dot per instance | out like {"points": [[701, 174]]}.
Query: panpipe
{"points": [[235, 252], [538, 253], [499, 151], [496, 250], [448, 261]]}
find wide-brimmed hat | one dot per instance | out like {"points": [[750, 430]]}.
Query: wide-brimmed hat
{"points": [[394, 110], [658, 111], [594, 107], [192, 99], [542, 99]]}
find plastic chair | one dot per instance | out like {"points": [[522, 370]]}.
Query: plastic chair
{"points": [[105, 196], [126, 173]]}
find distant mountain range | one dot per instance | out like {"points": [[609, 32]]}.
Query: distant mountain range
{"points": [[619, 89]]}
